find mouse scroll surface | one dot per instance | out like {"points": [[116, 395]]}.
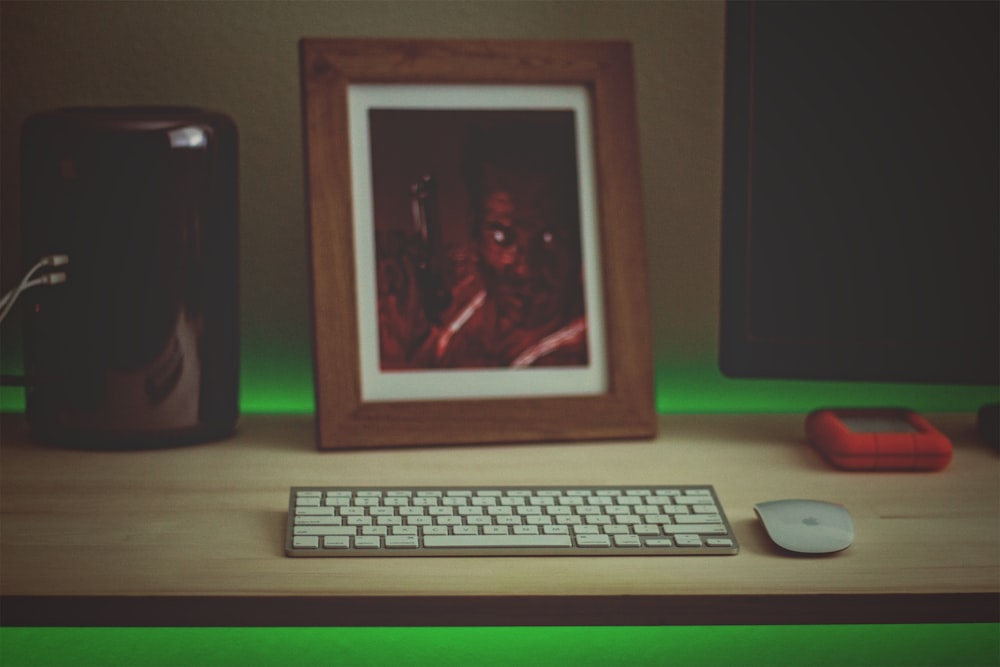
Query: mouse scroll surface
{"points": [[807, 526]]}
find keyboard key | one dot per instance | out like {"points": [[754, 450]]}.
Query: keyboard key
{"points": [[401, 542], [495, 541], [694, 500], [318, 521], [719, 542], [659, 542], [698, 518], [333, 542], [700, 528], [627, 541], [305, 542], [593, 540], [325, 530], [315, 511]]}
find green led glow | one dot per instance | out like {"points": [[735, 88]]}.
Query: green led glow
{"points": [[282, 383], [277, 383], [968, 645], [11, 399], [701, 388], [277, 378]]}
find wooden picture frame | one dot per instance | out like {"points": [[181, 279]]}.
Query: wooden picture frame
{"points": [[346, 85]]}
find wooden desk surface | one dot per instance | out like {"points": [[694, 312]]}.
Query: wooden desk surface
{"points": [[194, 535]]}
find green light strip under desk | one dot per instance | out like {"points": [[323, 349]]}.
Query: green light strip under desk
{"points": [[283, 384], [965, 645]]}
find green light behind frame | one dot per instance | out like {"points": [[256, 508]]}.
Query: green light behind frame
{"points": [[281, 382]]}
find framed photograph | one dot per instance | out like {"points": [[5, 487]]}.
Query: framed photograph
{"points": [[477, 243]]}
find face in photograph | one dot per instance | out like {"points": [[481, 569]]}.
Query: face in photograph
{"points": [[503, 252]]}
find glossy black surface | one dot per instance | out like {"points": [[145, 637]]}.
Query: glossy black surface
{"points": [[861, 215], [140, 346]]}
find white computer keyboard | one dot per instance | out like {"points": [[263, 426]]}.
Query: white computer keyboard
{"points": [[507, 521]]}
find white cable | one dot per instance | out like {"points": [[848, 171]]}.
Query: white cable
{"points": [[12, 295], [29, 281]]}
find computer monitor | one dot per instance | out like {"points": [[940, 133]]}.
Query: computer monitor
{"points": [[860, 196]]}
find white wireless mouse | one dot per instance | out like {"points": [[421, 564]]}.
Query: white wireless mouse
{"points": [[807, 526]]}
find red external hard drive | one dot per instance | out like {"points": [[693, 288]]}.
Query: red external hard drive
{"points": [[878, 439]]}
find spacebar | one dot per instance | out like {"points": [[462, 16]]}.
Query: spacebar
{"points": [[495, 541]]}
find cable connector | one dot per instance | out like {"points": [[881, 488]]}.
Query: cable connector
{"points": [[55, 260], [54, 278]]}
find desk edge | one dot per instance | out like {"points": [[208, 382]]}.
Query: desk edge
{"points": [[470, 611]]}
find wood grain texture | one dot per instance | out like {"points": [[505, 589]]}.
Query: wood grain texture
{"points": [[145, 537], [626, 409]]}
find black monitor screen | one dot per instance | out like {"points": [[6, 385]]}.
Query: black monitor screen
{"points": [[860, 194]]}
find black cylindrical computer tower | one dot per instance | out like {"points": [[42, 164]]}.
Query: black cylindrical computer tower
{"points": [[139, 346]]}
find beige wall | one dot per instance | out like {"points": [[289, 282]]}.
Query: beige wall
{"points": [[240, 57]]}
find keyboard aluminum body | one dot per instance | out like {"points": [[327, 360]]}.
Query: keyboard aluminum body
{"points": [[507, 521]]}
